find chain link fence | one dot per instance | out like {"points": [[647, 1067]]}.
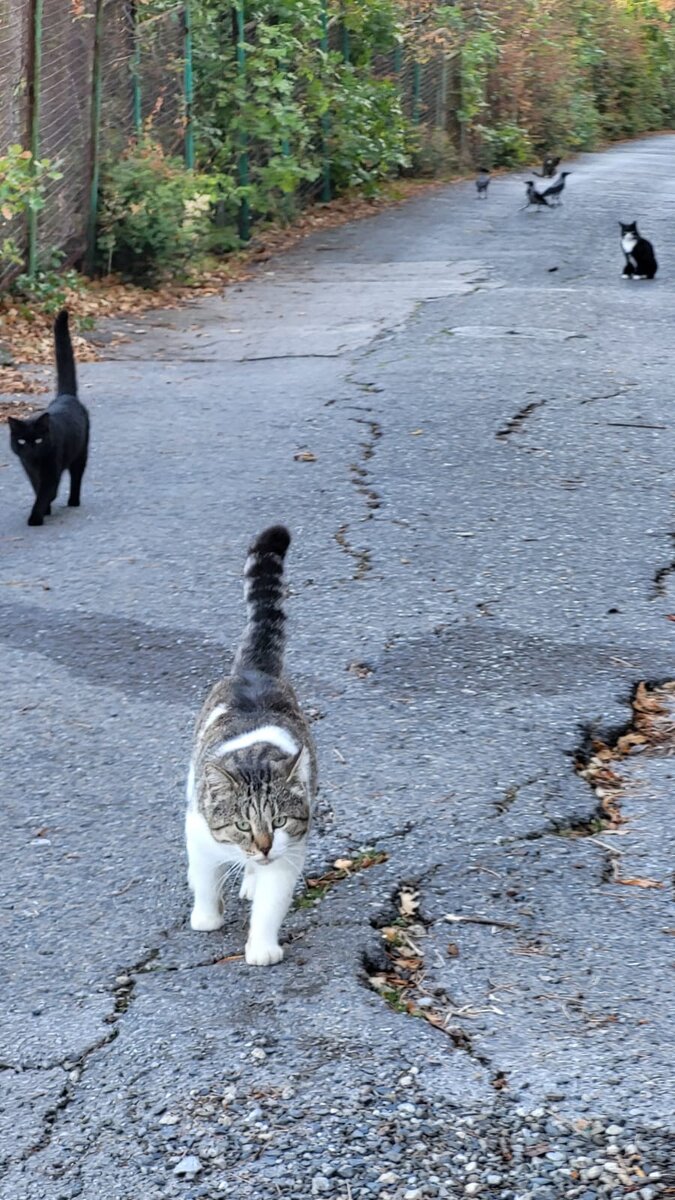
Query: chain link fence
{"points": [[81, 79]]}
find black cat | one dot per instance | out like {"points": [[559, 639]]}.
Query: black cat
{"points": [[56, 440], [640, 258], [549, 167]]}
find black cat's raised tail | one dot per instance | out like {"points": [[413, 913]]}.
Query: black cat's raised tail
{"points": [[65, 359]]}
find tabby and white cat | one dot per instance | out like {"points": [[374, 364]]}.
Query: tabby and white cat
{"points": [[252, 777]]}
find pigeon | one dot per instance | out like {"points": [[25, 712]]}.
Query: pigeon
{"points": [[482, 182]]}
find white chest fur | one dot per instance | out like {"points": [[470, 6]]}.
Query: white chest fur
{"points": [[628, 242]]}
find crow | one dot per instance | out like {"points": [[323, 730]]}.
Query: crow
{"points": [[482, 182], [554, 190], [534, 197]]}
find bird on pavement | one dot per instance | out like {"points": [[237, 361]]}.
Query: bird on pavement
{"points": [[555, 189], [534, 198], [482, 182]]}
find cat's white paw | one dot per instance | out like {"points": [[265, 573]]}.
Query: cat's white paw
{"points": [[263, 954], [247, 889], [206, 919]]}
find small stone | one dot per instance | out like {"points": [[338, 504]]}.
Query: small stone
{"points": [[647, 1193], [613, 1149], [611, 1168], [169, 1119], [320, 1184], [388, 1177], [413, 1194], [188, 1166], [594, 1172], [493, 1180], [258, 1055], [471, 1189], [614, 1131]]}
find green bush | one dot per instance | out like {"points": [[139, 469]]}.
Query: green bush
{"points": [[507, 144], [23, 181], [434, 154], [49, 289], [155, 216], [368, 138]]}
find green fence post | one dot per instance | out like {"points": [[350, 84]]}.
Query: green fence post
{"points": [[90, 257], [188, 87], [242, 163], [325, 120], [136, 70], [417, 92], [35, 91]]}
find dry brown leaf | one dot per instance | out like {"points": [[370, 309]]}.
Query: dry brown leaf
{"points": [[646, 701], [640, 883], [453, 950], [343, 864], [304, 456]]}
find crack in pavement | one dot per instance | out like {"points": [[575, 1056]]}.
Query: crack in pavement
{"points": [[515, 424], [661, 577], [122, 992]]}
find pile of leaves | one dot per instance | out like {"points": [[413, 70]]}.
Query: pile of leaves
{"points": [[652, 726], [402, 984], [317, 886]]}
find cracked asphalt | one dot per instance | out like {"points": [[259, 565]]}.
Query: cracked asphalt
{"points": [[481, 573]]}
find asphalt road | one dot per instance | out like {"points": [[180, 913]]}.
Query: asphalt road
{"points": [[479, 574]]}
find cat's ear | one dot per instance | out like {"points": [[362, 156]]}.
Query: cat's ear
{"points": [[297, 762], [216, 776], [42, 422], [15, 424]]}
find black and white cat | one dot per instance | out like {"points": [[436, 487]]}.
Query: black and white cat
{"points": [[57, 440], [640, 258]]}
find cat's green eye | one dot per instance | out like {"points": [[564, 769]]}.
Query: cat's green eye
{"points": [[243, 826], [279, 822]]}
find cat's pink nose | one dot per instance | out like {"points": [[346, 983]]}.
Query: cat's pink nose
{"points": [[264, 843]]}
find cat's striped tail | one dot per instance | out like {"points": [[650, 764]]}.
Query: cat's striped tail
{"points": [[262, 646], [66, 381]]}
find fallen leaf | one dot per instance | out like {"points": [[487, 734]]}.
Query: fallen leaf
{"points": [[343, 864], [417, 432], [304, 456], [453, 950], [645, 701], [640, 883]]}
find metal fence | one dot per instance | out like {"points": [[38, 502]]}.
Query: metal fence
{"points": [[80, 79]]}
